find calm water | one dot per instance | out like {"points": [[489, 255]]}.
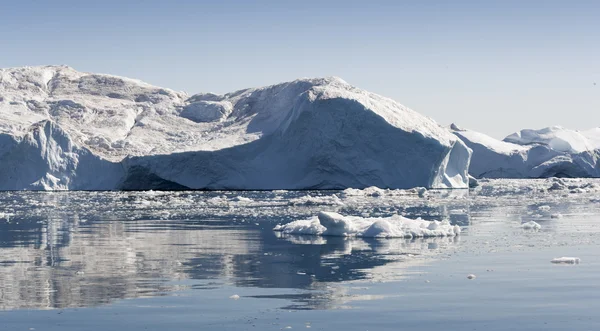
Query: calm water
{"points": [[172, 261]]}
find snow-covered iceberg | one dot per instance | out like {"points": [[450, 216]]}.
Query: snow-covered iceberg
{"points": [[549, 152], [334, 224], [64, 129]]}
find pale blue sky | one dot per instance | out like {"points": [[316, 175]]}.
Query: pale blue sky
{"points": [[492, 66]]}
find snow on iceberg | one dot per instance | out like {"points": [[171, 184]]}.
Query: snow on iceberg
{"points": [[333, 224], [319, 134], [550, 152], [558, 138], [108, 132]]}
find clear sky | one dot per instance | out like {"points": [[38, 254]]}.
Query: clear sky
{"points": [[492, 66]]}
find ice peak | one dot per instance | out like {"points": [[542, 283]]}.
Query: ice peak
{"points": [[455, 127]]}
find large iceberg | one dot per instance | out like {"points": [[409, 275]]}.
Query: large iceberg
{"points": [[549, 152], [64, 129]]}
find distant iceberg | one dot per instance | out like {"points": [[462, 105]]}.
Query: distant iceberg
{"points": [[61, 129], [549, 152]]}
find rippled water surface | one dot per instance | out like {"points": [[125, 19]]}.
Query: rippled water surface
{"points": [[179, 261]]}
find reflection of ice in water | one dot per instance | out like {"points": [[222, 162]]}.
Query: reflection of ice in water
{"points": [[105, 261], [89, 248]]}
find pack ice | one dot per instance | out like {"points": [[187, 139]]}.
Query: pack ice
{"points": [[61, 129], [549, 152]]}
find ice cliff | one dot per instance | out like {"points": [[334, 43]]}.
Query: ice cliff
{"points": [[549, 152], [64, 129]]}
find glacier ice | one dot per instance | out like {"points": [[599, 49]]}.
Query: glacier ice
{"points": [[549, 152], [566, 260], [61, 129]]}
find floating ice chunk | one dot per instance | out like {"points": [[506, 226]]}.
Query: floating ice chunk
{"points": [[531, 225], [243, 199], [567, 260], [556, 215], [234, 297], [316, 200], [544, 207], [311, 226], [471, 276], [473, 182], [421, 191], [333, 224]]}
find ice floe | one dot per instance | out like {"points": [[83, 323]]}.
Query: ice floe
{"points": [[566, 260], [396, 226]]}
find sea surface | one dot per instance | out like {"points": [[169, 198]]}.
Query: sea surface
{"points": [[211, 261]]}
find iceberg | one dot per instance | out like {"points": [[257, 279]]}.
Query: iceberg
{"points": [[549, 152], [396, 226], [61, 129]]}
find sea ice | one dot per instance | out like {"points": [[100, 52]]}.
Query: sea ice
{"points": [[334, 224], [567, 260], [531, 225]]}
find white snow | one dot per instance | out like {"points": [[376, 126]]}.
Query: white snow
{"points": [[310, 133], [567, 260], [557, 138], [334, 224]]}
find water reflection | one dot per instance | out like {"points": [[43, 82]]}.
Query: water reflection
{"points": [[59, 263], [91, 248]]}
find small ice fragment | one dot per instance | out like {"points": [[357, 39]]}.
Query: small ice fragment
{"points": [[531, 225], [567, 260], [234, 297], [544, 207], [243, 199], [471, 276], [556, 215]]}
